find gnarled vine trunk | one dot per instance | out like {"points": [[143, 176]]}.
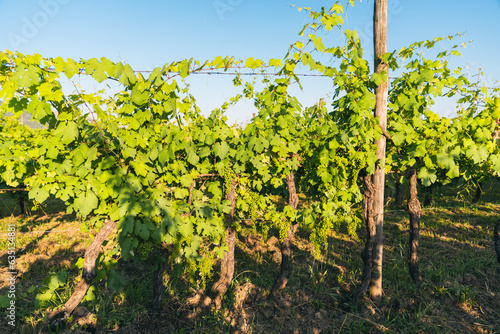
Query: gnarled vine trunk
{"points": [[158, 286], [286, 250], [58, 317], [22, 205], [366, 254], [428, 195], [414, 211], [227, 263], [479, 192], [400, 194], [496, 238]]}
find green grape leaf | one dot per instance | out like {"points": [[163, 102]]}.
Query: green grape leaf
{"points": [[185, 228], [86, 202], [38, 194], [221, 149], [427, 176], [446, 160]]}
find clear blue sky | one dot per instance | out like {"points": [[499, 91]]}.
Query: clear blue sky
{"points": [[148, 34]]}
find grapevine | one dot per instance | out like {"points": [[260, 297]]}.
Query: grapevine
{"points": [[148, 159]]}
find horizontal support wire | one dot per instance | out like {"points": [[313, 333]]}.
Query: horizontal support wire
{"points": [[212, 71]]}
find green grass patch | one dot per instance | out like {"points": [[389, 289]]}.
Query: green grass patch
{"points": [[460, 293]]}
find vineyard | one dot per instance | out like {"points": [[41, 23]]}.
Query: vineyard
{"points": [[177, 221]]}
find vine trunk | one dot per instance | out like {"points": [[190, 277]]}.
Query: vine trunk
{"points": [[366, 254], [497, 240], [400, 193], [479, 192], [227, 263], [57, 318], [286, 250], [414, 211]]}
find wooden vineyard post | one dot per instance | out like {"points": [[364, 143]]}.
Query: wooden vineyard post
{"points": [[380, 47]]}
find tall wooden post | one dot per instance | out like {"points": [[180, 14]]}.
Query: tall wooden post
{"points": [[380, 46]]}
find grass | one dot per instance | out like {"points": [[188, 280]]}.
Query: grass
{"points": [[460, 293]]}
